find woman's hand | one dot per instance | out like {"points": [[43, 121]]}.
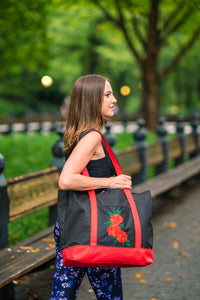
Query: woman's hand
{"points": [[121, 181]]}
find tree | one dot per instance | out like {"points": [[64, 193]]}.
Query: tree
{"points": [[23, 36], [82, 44], [148, 27]]}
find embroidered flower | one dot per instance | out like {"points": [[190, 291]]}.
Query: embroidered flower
{"points": [[122, 237], [116, 219], [114, 228]]}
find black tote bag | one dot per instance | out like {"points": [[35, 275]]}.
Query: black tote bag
{"points": [[109, 229]]}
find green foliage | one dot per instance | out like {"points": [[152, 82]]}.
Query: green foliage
{"points": [[66, 39], [26, 153], [24, 44], [7, 107], [125, 140], [27, 226]]}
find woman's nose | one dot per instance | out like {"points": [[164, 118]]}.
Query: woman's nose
{"points": [[114, 100]]}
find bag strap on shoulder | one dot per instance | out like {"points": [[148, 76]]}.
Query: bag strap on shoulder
{"points": [[129, 196]]}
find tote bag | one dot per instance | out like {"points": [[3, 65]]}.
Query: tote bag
{"points": [[107, 230]]}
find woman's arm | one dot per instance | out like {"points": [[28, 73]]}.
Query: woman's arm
{"points": [[89, 147]]}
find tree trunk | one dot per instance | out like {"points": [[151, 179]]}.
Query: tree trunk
{"points": [[150, 99], [149, 70]]}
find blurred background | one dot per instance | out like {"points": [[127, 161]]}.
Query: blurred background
{"points": [[149, 50]]}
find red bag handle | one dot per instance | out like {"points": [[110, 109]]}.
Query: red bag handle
{"points": [[129, 196]]}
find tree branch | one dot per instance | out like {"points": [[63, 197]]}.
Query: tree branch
{"points": [[138, 33], [106, 13], [185, 16], [121, 24], [175, 27], [172, 16], [180, 54]]}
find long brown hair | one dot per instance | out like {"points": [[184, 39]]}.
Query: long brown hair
{"points": [[85, 108]]}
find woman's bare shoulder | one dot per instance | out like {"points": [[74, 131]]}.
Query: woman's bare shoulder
{"points": [[92, 137]]}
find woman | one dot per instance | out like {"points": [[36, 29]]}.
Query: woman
{"points": [[91, 105]]}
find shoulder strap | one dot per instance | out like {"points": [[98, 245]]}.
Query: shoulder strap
{"points": [[129, 196], [84, 133]]}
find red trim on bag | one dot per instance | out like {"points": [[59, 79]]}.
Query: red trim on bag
{"points": [[129, 197], [138, 234], [94, 218], [128, 194], [106, 257]]}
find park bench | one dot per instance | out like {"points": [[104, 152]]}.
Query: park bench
{"points": [[35, 191], [28, 194]]}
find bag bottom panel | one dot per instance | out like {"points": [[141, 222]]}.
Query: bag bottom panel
{"points": [[106, 257]]}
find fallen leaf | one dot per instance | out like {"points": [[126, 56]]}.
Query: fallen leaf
{"points": [[35, 250], [175, 245], [52, 267], [139, 275], [25, 248], [91, 291], [48, 240], [153, 299], [142, 281], [51, 246], [172, 224], [169, 279], [182, 276], [184, 254], [12, 257]]}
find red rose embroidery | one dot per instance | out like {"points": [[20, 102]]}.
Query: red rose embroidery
{"points": [[116, 219], [113, 230], [122, 237]]}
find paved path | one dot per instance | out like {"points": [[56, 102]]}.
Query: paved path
{"points": [[175, 273]]}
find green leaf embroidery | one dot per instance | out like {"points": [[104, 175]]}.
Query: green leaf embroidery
{"points": [[107, 223]]}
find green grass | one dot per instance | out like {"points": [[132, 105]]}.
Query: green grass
{"points": [[23, 154], [125, 140]]}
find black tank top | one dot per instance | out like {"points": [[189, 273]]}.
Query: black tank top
{"points": [[99, 167]]}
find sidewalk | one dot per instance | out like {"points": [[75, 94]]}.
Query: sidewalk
{"points": [[175, 273]]}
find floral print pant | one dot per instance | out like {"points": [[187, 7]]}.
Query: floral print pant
{"points": [[106, 283]]}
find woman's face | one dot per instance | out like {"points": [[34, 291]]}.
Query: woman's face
{"points": [[108, 101]]}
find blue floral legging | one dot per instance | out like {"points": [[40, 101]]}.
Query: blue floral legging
{"points": [[106, 283]]}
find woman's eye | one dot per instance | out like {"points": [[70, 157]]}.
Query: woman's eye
{"points": [[107, 95]]}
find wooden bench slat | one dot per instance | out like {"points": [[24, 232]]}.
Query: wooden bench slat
{"points": [[32, 192], [129, 160], [24, 262], [175, 149], [155, 154], [171, 178], [190, 144]]}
